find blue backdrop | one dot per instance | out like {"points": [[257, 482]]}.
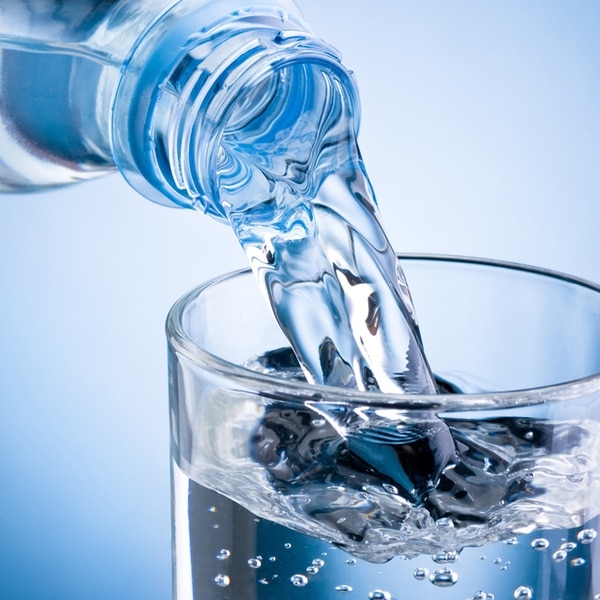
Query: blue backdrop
{"points": [[481, 134]]}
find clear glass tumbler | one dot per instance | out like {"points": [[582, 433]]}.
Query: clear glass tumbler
{"points": [[491, 489]]}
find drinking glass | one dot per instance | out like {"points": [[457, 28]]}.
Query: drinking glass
{"points": [[488, 490]]}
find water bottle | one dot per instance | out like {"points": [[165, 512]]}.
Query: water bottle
{"points": [[149, 87]]}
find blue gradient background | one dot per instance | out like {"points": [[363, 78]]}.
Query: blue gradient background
{"points": [[481, 133]]}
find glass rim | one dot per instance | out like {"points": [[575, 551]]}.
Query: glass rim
{"points": [[180, 341]]}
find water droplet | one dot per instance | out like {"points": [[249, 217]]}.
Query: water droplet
{"points": [[578, 562], [445, 557], [343, 588], [586, 536], [523, 592], [443, 577], [287, 545], [254, 563], [299, 580], [222, 580], [540, 544], [312, 570], [223, 554], [318, 562], [351, 561], [420, 573], [559, 555], [380, 595]]}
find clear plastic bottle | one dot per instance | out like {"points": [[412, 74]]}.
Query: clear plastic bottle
{"points": [[148, 87]]}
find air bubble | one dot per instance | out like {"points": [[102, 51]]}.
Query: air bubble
{"points": [[481, 596], [254, 563], [559, 555], [390, 489], [223, 554], [575, 478], [513, 541], [443, 578], [343, 588], [586, 536], [540, 544], [420, 573], [212, 509], [568, 546], [445, 557], [287, 545], [272, 559], [578, 562], [445, 523], [222, 580], [351, 561], [318, 562], [318, 422], [380, 595], [312, 570], [299, 580], [523, 592]]}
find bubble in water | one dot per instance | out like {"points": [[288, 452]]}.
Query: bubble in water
{"points": [[568, 546], [299, 580], [578, 562], [212, 509], [351, 561], [380, 595], [420, 573], [513, 541], [559, 555], [343, 588], [287, 545], [319, 422], [254, 563], [443, 577], [523, 592], [272, 559], [263, 581], [597, 597], [223, 554], [389, 488], [540, 544], [318, 562], [222, 580], [481, 596], [497, 560], [312, 570], [445, 557], [575, 478], [586, 536]]}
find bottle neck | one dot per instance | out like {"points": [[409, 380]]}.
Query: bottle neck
{"points": [[187, 87]]}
